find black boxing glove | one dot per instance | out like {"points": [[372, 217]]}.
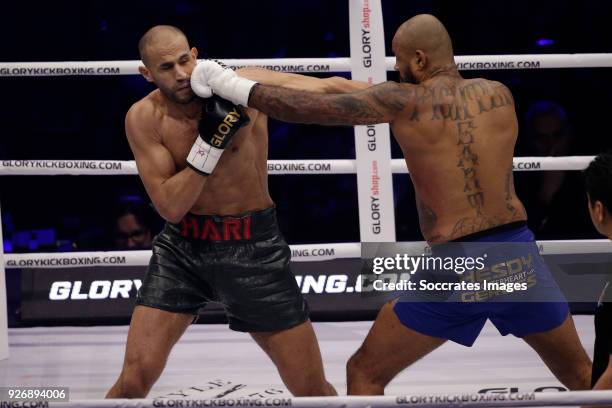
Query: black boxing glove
{"points": [[221, 119]]}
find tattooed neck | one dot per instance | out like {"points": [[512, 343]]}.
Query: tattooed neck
{"points": [[449, 70]]}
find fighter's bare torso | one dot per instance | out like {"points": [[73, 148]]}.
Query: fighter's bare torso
{"points": [[239, 182], [457, 136], [458, 141]]}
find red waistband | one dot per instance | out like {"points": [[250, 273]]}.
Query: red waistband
{"points": [[226, 229], [242, 227]]}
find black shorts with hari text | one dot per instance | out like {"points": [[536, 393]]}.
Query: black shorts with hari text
{"points": [[240, 261]]}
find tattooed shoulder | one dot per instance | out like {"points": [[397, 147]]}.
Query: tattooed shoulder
{"points": [[393, 96]]}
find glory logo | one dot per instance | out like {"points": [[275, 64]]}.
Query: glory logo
{"points": [[225, 127]]}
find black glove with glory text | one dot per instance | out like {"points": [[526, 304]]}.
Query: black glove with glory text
{"points": [[220, 120]]}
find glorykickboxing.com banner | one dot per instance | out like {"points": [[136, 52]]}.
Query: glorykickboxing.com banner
{"points": [[98, 293], [473, 65], [304, 68], [68, 167], [60, 71], [342, 64], [275, 167]]}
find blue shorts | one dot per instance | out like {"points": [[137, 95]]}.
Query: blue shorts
{"points": [[540, 308]]}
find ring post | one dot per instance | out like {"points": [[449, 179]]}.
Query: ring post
{"points": [[4, 351], [372, 142]]}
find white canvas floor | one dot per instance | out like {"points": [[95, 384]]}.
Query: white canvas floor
{"points": [[214, 359]]}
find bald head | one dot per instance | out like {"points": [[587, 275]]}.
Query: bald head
{"points": [[169, 62], [426, 33], [159, 36]]}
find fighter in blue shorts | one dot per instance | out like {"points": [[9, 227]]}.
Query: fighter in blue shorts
{"points": [[513, 288], [458, 138]]}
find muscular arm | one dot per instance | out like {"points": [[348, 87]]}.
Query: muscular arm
{"points": [[173, 193], [377, 104], [302, 82]]}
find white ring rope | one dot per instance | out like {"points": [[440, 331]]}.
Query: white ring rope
{"points": [[534, 399], [275, 167], [309, 65], [299, 253]]}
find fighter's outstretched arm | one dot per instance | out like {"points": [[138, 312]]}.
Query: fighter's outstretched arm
{"points": [[377, 104], [335, 84]]}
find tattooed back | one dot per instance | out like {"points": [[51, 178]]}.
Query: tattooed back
{"points": [[458, 138]]}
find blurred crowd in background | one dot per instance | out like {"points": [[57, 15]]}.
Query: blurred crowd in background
{"points": [[561, 111]]}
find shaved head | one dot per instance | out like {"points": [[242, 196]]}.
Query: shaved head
{"points": [[159, 36], [168, 62], [425, 32], [422, 48]]}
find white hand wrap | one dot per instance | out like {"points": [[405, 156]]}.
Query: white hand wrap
{"points": [[223, 81], [203, 157], [199, 82]]}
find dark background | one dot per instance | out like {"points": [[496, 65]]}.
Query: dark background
{"points": [[82, 117]]}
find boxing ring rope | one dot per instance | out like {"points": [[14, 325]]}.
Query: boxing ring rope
{"points": [[535, 399], [275, 167], [310, 65], [299, 253]]}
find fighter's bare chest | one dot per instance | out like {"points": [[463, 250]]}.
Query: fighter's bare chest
{"points": [[178, 136]]}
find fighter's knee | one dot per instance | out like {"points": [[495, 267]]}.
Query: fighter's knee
{"points": [[138, 375], [575, 374], [582, 375], [146, 364], [354, 365], [360, 368]]}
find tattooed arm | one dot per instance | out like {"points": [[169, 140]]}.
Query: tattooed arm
{"points": [[378, 104], [334, 84]]}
